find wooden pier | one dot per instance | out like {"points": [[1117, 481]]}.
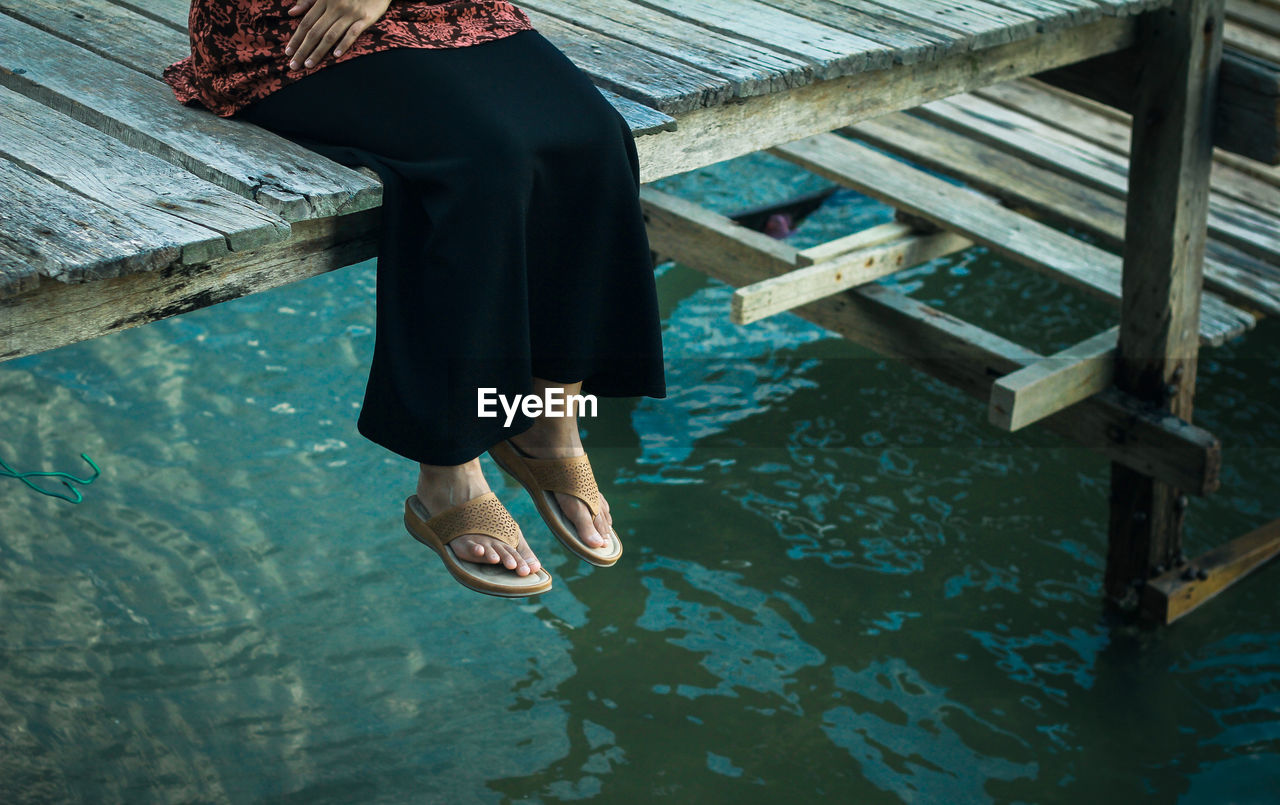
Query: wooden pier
{"points": [[121, 207]]}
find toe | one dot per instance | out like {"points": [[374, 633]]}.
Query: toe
{"points": [[527, 556], [580, 516], [510, 560]]}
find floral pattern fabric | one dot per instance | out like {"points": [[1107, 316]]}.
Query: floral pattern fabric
{"points": [[237, 46]]}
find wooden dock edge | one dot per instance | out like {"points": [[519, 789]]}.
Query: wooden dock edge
{"points": [[107, 306], [1180, 590]]}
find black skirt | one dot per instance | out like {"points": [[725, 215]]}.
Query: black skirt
{"points": [[513, 243]]}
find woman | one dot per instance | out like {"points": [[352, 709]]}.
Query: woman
{"points": [[512, 258]]}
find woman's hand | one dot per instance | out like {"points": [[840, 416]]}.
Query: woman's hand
{"points": [[327, 22]]}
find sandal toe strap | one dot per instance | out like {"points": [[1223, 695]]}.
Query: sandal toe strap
{"points": [[571, 475], [481, 515]]}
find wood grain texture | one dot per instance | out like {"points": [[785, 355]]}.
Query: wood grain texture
{"points": [[1249, 227], [830, 51], [850, 269], [205, 220], [1239, 278], [1164, 247], [1025, 240], [289, 180], [46, 231], [1053, 383], [1180, 590], [53, 315], [705, 136]]}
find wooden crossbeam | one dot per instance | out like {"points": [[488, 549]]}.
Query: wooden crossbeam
{"points": [[1054, 383], [1181, 589], [957, 352], [874, 259]]}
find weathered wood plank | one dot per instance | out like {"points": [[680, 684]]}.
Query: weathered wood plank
{"points": [[640, 118], [1258, 16], [904, 35], [171, 12], [117, 31], [679, 225], [705, 136], [109, 30], [1054, 14], [1053, 383], [1241, 279], [1030, 242], [1164, 248], [1247, 227], [1111, 130], [751, 68], [1247, 112], [204, 219], [1130, 7], [53, 315], [831, 52], [289, 180], [986, 25], [864, 264], [1249, 41], [633, 72], [46, 231], [1182, 588]]}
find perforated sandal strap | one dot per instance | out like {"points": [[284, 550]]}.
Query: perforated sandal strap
{"points": [[481, 515], [571, 475]]}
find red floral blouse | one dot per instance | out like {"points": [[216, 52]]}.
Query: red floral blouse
{"points": [[237, 46]]}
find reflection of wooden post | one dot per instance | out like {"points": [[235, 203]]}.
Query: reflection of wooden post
{"points": [[1180, 47]]}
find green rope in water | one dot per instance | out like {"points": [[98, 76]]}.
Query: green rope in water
{"points": [[9, 472]]}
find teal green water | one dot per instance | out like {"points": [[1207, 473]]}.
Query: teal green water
{"points": [[840, 582]]}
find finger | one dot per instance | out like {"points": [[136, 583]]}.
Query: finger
{"points": [[353, 33], [309, 50], [301, 6], [326, 42], [300, 33]]}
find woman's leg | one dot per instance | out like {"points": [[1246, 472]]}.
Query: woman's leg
{"points": [[513, 242]]}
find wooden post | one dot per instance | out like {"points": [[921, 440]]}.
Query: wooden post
{"points": [[1179, 48]]}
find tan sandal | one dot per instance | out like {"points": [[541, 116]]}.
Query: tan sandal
{"points": [[572, 475], [481, 515]]}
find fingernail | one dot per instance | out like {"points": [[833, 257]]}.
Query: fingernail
{"points": [[288, 50], [293, 65], [337, 52], [309, 62]]}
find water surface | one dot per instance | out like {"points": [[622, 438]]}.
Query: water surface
{"points": [[840, 583]]}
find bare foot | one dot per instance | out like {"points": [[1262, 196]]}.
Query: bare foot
{"points": [[557, 437], [442, 487]]}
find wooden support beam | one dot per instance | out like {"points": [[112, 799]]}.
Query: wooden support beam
{"points": [[1182, 588], [1165, 227], [798, 286], [1054, 383], [961, 354]]}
